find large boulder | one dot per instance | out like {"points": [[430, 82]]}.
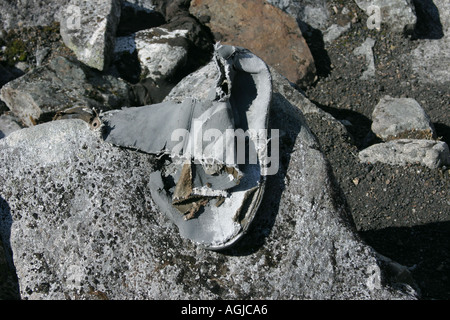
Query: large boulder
{"points": [[89, 29], [62, 84], [267, 31], [81, 223], [16, 14]]}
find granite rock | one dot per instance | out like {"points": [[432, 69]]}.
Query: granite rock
{"points": [[431, 58], [157, 57], [81, 224], [164, 52], [395, 118], [267, 31], [89, 29], [61, 84], [29, 13]]}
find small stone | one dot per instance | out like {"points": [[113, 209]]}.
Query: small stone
{"points": [[395, 118], [429, 153], [334, 32], [366, 50], [312, 12]]}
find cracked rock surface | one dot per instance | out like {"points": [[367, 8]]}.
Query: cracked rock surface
{"points": [[79, 210]]}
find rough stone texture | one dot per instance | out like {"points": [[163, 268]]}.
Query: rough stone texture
{"points": [[366, 51], [312, 12], [430, 60], [394, 118], [27, 13], [5, 76], [266, 30], [8, 284], [81, 224], [334, 32], [89, 29], [61, 84], [432, 154], [8, 124], [157, 57], [135, 17], [397, 15]]}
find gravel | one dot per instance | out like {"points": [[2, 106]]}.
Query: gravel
{"points": [[402, 211]]}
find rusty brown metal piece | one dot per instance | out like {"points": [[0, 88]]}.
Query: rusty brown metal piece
{"points": [[80, 112]]}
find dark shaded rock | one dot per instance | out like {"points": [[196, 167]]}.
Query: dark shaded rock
{"points": [[156, 59], [395, 118], [5, 76], [63, 83], [433, 154], [17, 14]]}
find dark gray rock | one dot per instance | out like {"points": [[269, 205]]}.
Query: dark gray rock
{"points": [[314, 13], [84, 224], [89, 29], [63, 83]]}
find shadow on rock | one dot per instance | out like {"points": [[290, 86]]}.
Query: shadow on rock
{"points": [[443, 132], [424, 249], [9, 285], [134, 18], [428, 24], [275, 186]]}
